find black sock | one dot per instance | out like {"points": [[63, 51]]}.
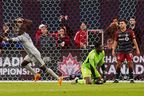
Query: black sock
{"points": [[130, 73], [40, 72], [103, 67], [42, 69], [117, 73], [103, 70]]}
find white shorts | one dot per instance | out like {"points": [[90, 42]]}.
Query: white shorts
{"points": [[36, 59]]}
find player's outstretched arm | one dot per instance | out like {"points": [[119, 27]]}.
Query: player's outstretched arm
{"points": [[7, 39]]}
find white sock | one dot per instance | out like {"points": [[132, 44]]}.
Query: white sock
{"points": [[28, 67], [51, 72]]}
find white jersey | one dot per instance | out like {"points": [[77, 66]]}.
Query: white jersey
{"points": [[27, 43], [29, 47]]}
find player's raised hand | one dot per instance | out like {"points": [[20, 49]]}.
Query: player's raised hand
{"points": [[19, 19], [66, 17], [5, 28]]}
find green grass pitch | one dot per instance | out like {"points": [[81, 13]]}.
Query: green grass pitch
{"points": [[67, 89]]}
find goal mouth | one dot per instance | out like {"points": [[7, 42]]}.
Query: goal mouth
{"points": [[95, 36]]}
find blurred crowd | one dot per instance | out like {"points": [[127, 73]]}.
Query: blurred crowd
{"points": [[63, 36]]}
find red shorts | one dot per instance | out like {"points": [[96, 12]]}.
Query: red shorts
{"points": [[121, 57]]}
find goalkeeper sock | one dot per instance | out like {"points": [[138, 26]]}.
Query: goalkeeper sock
{"points": [[81, 81], [103, 68], [104, 72]]}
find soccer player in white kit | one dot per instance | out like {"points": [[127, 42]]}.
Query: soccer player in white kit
{"points": [[33, 55]]}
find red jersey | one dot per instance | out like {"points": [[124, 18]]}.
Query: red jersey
{"points": [[124, 41], [80, 37]]}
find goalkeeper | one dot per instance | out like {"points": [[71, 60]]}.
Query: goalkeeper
{"points": [[89, 70]]}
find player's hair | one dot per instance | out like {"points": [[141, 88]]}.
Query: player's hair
{"points": [[123, 20], [63, 28], [133, 17], [115, 18]]}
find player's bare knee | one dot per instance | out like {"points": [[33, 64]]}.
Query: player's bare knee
{"points": [[119, 64], [130, 64], [24, 63]]}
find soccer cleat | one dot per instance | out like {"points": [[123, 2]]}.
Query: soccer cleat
{"points": [[104, 79], [100, 81], [37, 77], [116, 81], [60, 81], [132, 81], [75, 81]]}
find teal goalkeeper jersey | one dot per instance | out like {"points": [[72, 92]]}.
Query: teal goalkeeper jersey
{"points": [[94, 59]]}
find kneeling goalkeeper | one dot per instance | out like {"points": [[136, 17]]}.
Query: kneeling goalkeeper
{"points": [[89, 70]]}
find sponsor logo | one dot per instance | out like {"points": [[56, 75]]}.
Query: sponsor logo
{"points": [[69, 65]]}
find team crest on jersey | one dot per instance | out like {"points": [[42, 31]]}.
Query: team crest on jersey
{"points": [[126, 38], [69, 65]]}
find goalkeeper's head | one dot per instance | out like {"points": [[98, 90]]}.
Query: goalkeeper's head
{"points": [[99, 47]]}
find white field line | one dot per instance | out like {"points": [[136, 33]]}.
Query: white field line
{"points": [[56, 81]]}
